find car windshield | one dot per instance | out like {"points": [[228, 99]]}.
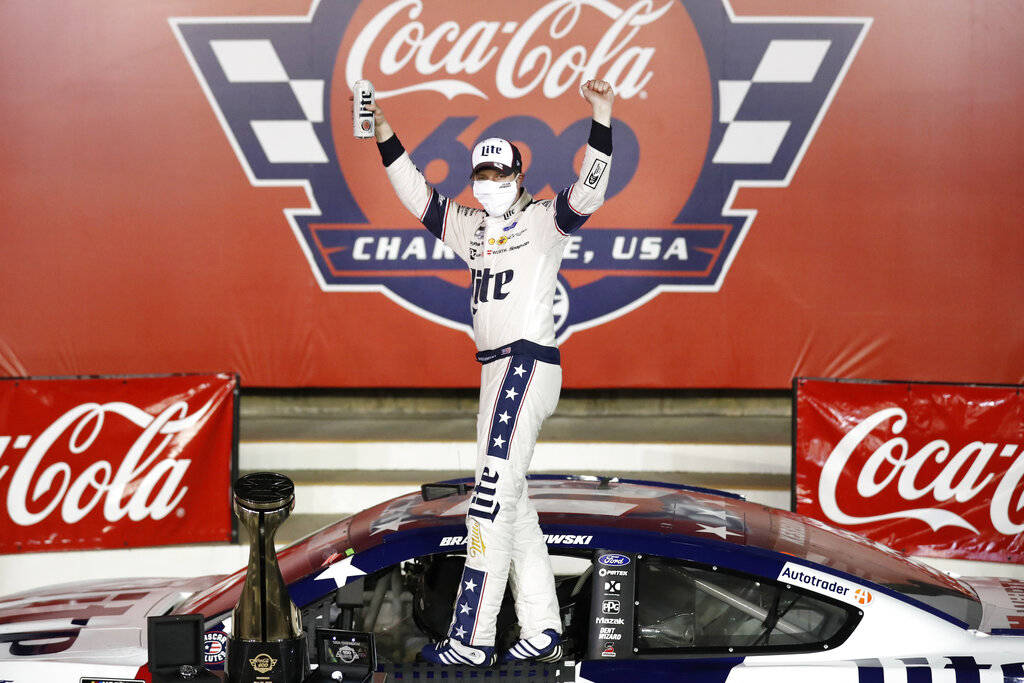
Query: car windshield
{"points": [[860, 557]]}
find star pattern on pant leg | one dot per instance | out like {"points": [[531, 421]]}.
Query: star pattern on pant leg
{"points": [[470, 585], [464, 608], [499, 437]]}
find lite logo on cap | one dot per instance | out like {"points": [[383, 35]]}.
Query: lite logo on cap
{"points": [[499, 154]]}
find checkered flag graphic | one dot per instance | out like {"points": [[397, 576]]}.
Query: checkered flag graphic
{"points": [[284, 141], [753, 141]]}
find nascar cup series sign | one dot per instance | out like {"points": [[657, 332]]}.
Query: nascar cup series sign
{"points": [[708, 102]]}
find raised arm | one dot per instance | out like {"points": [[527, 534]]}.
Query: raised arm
{"points": [[409, 184], [574, 204], [436, 212]]}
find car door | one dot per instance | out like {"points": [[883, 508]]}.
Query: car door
{"points": [[653, 614]]}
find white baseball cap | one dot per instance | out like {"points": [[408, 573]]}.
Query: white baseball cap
{"points": [[499, 154]]}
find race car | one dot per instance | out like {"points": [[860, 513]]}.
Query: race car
{"points": [[657, 580]]}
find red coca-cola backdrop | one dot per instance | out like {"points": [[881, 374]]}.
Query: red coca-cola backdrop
{"points": [[798, 188], [931, 469], [114, 462]]}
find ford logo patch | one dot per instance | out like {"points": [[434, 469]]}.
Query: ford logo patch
{"points": [[613, 560]]}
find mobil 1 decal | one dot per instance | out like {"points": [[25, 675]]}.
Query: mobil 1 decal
{"points": [[708, 101], [612, 596]]}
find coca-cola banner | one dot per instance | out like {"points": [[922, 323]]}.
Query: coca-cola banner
{"points": [[797, 188], [115, 462], [930, 469]]}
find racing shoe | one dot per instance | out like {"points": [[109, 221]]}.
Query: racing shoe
{"points": [[545, 647], [451, 652]]}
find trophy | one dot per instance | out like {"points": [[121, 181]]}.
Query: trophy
{"points": [[266, 643]]}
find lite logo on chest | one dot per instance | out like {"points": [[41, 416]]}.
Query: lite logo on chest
{"points": [[489, 286]]}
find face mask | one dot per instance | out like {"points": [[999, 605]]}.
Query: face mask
{"points": [[495, 196]]}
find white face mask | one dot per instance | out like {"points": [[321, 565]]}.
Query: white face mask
{"points": [[496, 196]]}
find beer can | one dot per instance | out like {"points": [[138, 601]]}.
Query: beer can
{"points": [[362, 118]]}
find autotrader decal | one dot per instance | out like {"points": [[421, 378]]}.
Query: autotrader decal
{"points": [[820, 582]]}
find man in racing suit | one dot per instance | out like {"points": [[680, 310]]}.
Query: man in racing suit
{"points": [[513, 248]]}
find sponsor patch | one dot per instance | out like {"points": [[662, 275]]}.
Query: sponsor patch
{"points": [[820, 582], [596, 171], [610, 621], [476, 542], [483, 504], [613, 560]]}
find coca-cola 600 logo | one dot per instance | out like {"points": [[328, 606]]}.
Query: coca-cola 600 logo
{"points": [[707, 103], [150, 453]]}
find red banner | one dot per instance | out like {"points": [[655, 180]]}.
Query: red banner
{"points": [[930, 469], [194, 164], [114, 462]]}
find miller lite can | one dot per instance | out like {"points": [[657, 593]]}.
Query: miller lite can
{"points": [[362, 118]]}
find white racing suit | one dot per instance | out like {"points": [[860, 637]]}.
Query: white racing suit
{"points": [[514, 261]]}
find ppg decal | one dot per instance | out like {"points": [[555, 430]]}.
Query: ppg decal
{"points": [[709, 103]]}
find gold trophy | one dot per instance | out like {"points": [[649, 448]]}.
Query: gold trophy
{"points": [[266, 643]]}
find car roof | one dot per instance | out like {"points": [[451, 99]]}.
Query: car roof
{"points": [[565, 499], [629, 515]]}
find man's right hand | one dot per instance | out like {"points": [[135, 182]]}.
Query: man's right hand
{"points": [[381, 128]]}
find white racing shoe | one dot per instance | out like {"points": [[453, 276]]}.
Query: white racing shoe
{"points": [[451, 652], [545, 647]]}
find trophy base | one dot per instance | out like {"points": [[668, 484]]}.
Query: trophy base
{"points": [[251, 661]]}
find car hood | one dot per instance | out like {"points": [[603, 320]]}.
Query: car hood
{"points": [[1002, 603], [89, 621]]}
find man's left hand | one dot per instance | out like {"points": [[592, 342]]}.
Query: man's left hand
{"points": [[600, 95]]}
